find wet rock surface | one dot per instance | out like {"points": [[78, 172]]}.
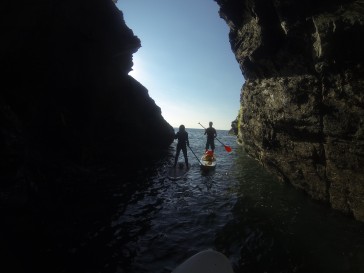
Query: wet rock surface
{"points": [[302, 104]]}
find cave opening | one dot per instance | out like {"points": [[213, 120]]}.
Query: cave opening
{"points": [[185, 60]]}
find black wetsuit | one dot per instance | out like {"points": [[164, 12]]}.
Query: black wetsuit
{"points": [[181, 145], [211, 134]]}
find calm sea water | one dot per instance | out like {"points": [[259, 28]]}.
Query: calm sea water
{"points": [[145, 223], [240, 210]]}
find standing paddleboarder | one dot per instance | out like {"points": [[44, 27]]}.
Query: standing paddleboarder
{"points": [[182, 137], [211, 134]]}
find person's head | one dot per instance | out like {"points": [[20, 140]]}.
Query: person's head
{"points": [[210, 123], [182, 128]]}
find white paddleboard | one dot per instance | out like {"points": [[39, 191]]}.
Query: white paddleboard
{"points": [[207, 261], [208, 162]]}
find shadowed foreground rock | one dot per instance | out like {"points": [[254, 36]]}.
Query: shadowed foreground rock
{"points": [[67, 103], [302, 106], [74, 129]]}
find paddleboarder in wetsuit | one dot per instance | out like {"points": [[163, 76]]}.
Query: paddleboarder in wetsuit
{"points": [[182, 137], [211, 134]]}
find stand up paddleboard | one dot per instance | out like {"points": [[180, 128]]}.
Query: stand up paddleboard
{"points": [[175, 173], [207, 261], [208, 161]]}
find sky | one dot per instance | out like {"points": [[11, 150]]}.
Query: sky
{"points": [[185, 60]]}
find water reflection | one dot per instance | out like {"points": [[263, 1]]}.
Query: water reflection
{"points": [[238, 209], [276, 228]]}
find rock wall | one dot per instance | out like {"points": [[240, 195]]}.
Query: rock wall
{"points": [[302, 106], [67, 102]]}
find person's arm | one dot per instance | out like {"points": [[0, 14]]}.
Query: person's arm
{"points": [[187, 141], [176, 135], [215, 134]]}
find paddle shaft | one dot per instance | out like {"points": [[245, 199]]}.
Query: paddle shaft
{"points": [[195, 155], [226, 147]]}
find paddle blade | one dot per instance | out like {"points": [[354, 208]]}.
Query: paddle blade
{"points": [[227, 148]]}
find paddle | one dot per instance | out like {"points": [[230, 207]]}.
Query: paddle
{"points": [[227, 148], [195, 155]]}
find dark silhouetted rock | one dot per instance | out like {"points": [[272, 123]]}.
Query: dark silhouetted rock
{"points": [[67, 101]]}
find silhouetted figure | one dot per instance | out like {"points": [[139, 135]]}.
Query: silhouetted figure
{"points": [[211, 134], [182, 137]]}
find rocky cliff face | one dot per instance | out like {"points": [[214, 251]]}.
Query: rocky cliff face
{"points": [[67, 102], [302, 106]]}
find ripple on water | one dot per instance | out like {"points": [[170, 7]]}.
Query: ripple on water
{"points": [[241, 210]]}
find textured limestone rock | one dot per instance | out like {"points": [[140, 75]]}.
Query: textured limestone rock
{"points": [[302, 110]]}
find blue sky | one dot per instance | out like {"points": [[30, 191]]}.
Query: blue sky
{"points": [[185, 60]]}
